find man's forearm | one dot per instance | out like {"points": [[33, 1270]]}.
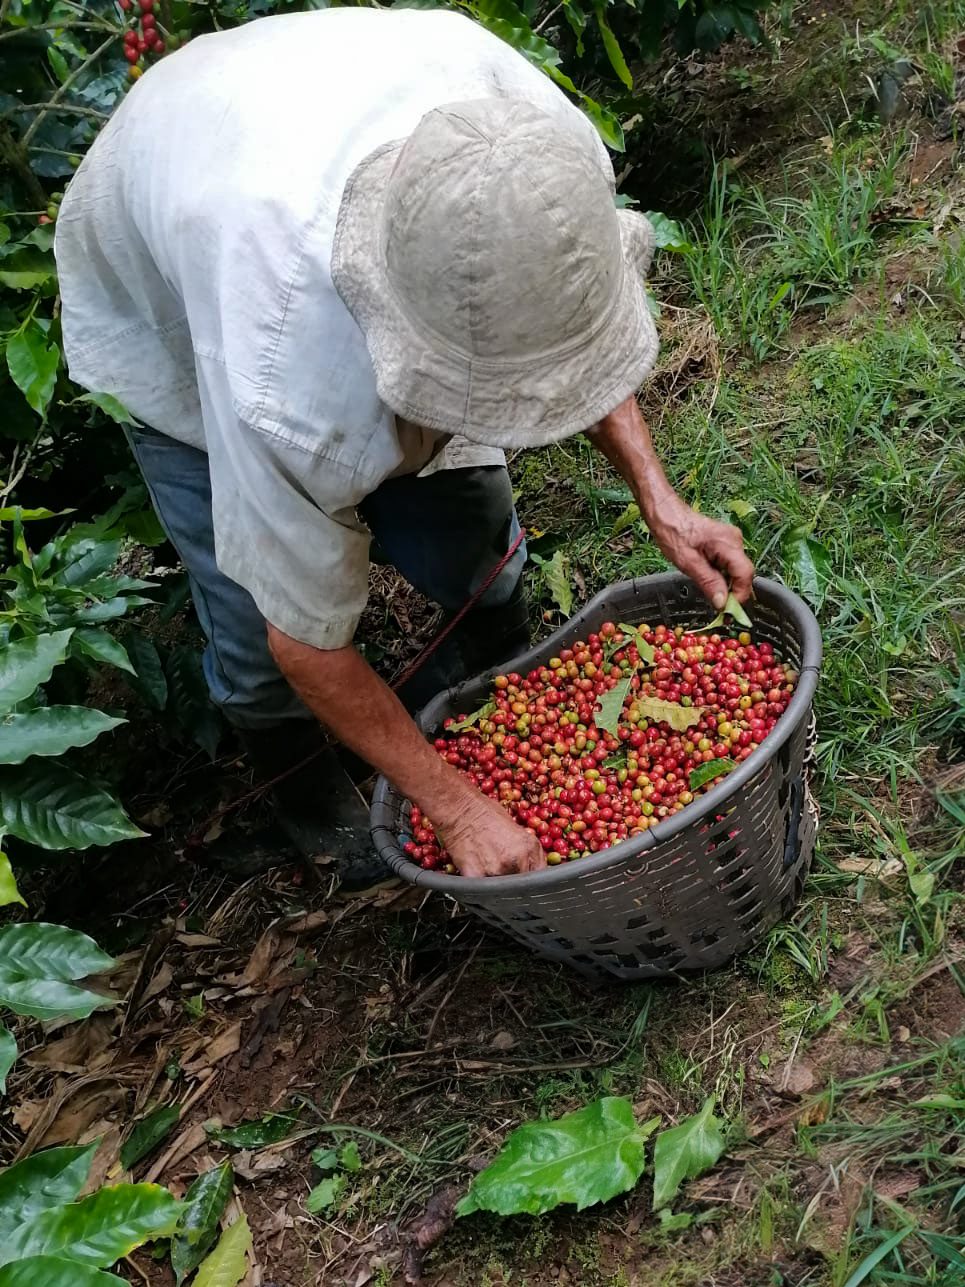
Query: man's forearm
{"points": [[624, 438], [346, 695]]}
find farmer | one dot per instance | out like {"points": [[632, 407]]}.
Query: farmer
{"points": [[334, 262]]}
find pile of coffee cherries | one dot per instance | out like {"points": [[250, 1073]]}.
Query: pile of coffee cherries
{"points": [[695, 705]]}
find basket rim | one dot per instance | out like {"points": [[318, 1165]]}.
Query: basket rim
{"points": [[486, 888]]}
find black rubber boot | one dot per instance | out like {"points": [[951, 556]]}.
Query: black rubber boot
{"points": [[483, 639], [318, 806]]}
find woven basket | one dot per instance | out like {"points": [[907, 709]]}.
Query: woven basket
{"points": [[691, 892]]}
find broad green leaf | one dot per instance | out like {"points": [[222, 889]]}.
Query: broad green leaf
{"points": [[741, 508], [55, 1271], [627, 519], [680, 718], [472, 720], [148, 1133], [9, 893], [325, 1194], [732, 608], [646, 651], [685, 1151], [101, 646], [88, 559], [326, 1159], [28, 663], [583, 1158], [811, 563], [349, 1157], [612, 46], [266, 1130], [556, 574], [51, 806], [32, 364], [204, 1205], [58, 62], [27, 269], [705, 773], [228, 1263], [150, 679], [668, 233], [607, 124], [9, 512], [8, 1056], [51, 730], [111, 406], [190, 701], [97, 1230], [610, 707], [39, 964], [43, 1180]]}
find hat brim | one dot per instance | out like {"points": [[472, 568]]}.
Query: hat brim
{"points": [[526, 403]]}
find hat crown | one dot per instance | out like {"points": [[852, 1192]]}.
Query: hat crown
{"points": [[500, 238]]}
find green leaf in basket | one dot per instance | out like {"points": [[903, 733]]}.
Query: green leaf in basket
{"points": [[472, 720], [646, 651], [611, 704], [583, 1158], [732, 608], [705, 773], [680, 718]]}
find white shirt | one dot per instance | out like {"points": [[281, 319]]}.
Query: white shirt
{"points": [[194, 250]]}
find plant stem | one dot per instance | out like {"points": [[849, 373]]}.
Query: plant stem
{"points": [[14, 157], [59, 94], [60, 26]]}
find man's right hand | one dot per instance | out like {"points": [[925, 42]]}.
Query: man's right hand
{"points": [[485, 841]]}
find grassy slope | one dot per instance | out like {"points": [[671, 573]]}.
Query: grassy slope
{"points": [[824, 408]]}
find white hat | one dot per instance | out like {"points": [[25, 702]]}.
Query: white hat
{"points": [[500, 291]]}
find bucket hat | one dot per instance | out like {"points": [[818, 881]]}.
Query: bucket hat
{"points": [[500, 292]]}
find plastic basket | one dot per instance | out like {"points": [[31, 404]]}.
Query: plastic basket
{"points": [[691, 892]]}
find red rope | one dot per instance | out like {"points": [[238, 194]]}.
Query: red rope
{"points": [[197, 838]]}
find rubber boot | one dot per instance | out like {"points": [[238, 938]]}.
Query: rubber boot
{"points": [[317, 805], [484, 638]]}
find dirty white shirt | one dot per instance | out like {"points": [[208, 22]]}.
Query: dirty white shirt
{"points": [[184, 295]]}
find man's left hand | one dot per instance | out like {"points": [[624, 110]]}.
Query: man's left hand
{"points": [[709, 552]]}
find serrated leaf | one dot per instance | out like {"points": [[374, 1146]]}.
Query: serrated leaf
{"points": [[610, 707], [39, 964], [148, 1134], [50, 731], [556, 574], [204, 1205], [33, 365], [325, 1194], [52, 806], [680, 718], [472, 720], [55, 1271], [43, 1180], [685, 1151], [269, 1129], [584, 1157], [99, 1229], [811, 563], [705, 773], [101, 646], [8, 1055], [732, 608], [28, 663], [228, 1263], [112, 407], [9, 893], [326, 1159]]}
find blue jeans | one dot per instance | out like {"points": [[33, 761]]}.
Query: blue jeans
{"points": [[444, 533]]}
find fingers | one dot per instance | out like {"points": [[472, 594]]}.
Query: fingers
{"points": [[711, 584], [728, 554]]}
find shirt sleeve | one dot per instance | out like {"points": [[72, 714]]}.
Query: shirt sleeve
{"points": [[286, 530]]}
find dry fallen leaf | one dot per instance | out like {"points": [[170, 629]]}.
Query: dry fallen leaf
{"points": [[883, 869], [226, 1043], [799, 1079], [83, 1049], [503, 1041]]}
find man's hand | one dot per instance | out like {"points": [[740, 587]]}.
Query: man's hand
{"points": [[710, 553], [485, 841]]}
